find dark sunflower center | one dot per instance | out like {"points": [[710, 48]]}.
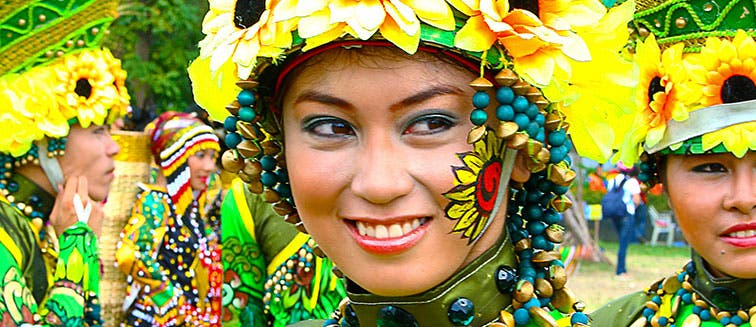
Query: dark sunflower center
{"points": [[529, 5], [738, 88], [248, 12], [83, 88], [654, 87]]}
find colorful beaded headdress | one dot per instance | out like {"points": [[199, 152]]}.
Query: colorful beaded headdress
{"points": [[550, 59], [53, 74], [174, 137], [696, 91]]}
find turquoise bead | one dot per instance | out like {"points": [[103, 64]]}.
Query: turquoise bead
{"points": [[505, 95], [247, 114], [532, 111], [557, 138], [505, 112], [520, 104], [521, 317], [391, 316], [246, 98], [268, 163], [579, 317], [481, 99], [230, 123], [268, 179], [232, 140], [522, 121], [478, 117]]}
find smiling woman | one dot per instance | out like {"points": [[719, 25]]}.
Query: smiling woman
{"points": [[355, 120]]}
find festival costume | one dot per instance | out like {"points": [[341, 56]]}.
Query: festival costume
{"points": [[271, 276], [167, 248], [53, 74], [696, 95], [542, 62]]}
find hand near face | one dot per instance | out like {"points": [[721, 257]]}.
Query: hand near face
{"points": [[65, 212]]}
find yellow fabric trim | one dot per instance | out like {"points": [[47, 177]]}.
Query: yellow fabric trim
{"points": [[316, 290], [237, 187], [286, 252], [7, 241]]}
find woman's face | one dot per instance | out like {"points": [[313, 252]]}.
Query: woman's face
{"points": [[201, 165], [369, 151], [713, 197], [89, 153]]}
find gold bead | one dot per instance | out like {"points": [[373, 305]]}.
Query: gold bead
{"points": [[543, 288], [69, 43], [475, 134], [21, 22], [708, 7], [506, 77], [481, 84], [680, 22], [42, 18], [80, 43], [643, 32]]}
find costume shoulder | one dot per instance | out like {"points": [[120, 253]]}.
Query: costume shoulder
{"points": [[621, 312]]}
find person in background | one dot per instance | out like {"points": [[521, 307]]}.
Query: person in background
{"points": [[59, 90], [360, 130], [694, 131], [625, 225], [168, 247]]}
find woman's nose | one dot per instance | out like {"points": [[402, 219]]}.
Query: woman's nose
{"points": [[381, 174], [742, 194]]}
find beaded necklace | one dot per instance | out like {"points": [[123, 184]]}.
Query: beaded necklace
{"points": [[675, 296]]}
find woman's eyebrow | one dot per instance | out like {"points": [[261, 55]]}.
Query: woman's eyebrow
{"points": [[424, 95], [320, 97]]}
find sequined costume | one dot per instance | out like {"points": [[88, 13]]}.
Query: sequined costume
{"points": [[271, 276], [40, 284], [538, 80], [169, 248]]}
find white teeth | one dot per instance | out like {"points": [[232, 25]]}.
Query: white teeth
{"points": [[381, 231], [407, 227], [744, 233], [388, 231]]}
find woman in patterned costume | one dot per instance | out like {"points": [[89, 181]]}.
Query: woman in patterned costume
{"points": [[58, 92], [167, 248], [695, 132], [422, 144]]}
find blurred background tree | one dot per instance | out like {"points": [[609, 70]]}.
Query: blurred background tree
{"points": [[156, 40]]}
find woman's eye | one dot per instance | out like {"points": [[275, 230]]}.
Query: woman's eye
{"points": [[430, 124], [101, 129], [710, 168], [329, 127]]}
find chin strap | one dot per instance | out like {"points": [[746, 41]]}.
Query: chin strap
{"points": [[50, 166]]}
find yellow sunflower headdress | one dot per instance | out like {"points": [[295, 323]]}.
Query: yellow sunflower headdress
{"points": [[544, 60], [696, 91], [53, 74]]}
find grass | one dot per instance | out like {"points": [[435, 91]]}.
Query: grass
{"points": [[596, 284]]}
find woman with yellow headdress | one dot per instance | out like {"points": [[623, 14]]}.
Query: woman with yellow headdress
{"points": [[58, 92], [422, 144], [695, 132]]}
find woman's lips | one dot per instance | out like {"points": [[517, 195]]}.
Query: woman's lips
{"points": [[389, 238], [742, 235]]}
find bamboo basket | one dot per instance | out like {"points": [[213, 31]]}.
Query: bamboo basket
{"points": [[132, 166]]}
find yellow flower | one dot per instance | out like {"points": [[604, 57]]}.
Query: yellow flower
{"points": [[85, 88], [119, 74], [228, 39], [16, 121], [738, 139], [39, 104], [720, 63], [658, 94], [397, 21], [476, 187]]}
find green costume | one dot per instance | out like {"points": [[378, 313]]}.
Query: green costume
{"points": [[672, 301], [272, 278], [43, 283]]}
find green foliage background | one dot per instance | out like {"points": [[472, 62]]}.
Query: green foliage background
{"points": [[156, 40]]}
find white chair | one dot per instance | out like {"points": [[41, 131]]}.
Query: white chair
{"points": [[662, 222]]}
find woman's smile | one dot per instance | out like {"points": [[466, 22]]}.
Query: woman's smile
{"points": [[391, 237]]}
